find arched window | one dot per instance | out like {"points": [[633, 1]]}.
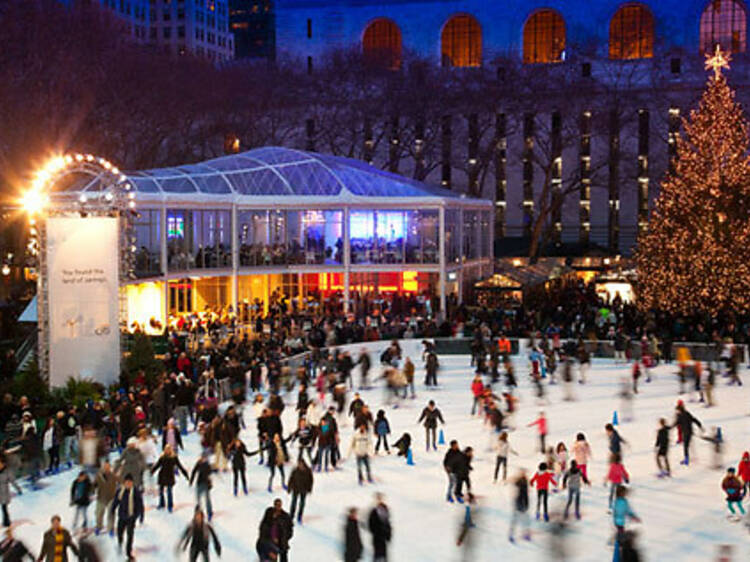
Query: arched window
{"points": [[544, 37], [724, 22], [381, 44], [461, 42], [631, 33]]}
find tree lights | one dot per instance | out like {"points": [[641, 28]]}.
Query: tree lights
{"points": [[696, 254]]}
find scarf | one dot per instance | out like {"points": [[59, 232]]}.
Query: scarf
{"points": [[59, 545]]}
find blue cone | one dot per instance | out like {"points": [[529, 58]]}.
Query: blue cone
{"points": [[441, 438], [409, 458], [614, 418]]}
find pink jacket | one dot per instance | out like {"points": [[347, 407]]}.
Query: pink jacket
{"points": [[581, 452], [618, 474]]}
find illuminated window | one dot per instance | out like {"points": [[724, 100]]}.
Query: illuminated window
{"points": [[544, 38], [724, 23], [631, 33], [461, 42], [381, 43]]}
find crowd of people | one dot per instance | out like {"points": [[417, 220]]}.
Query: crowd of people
{"points": [[129, 444]]}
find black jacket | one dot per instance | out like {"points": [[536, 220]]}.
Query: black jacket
{"points": [[238, 454], [285, 527], [352, 541], [301, 480], [462, 466], [381, 531], [662, 439], [685, 421], [167, 467], [431, 417], [202, 470], [80, 492], [451, 459], [521, 503]]}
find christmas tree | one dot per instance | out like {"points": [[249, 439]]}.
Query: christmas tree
{"points": [[695, 257]]}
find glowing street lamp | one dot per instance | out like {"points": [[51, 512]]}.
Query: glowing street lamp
{"points": [[34, 201]]}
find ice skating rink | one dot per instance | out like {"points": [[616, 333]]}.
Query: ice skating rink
{"points": [[684, 518]]}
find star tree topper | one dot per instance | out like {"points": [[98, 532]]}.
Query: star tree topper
{"points": [[717, 61]]}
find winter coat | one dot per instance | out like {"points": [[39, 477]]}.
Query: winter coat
{"points": [[131, 462], [238, 454], [403, 444], [662, 440], [431, 418], [477, 387], [301, 480], [49, 542], [543, 480], [380, 527], [174, 434], [521, 503], [685, 421], [80, 492], [199, 537], [167, 467], [13, 550], [451, 459], [6, 479], [382, 427], [733, 488], [617, 474], [541, 425], [615, 442], [202, 470], [462, 465], [128, 504], [352, 541], [502, 448], [581, 452], [621, 511], [284, 525], [573, 478], [743, 469], [361, 444], [106, 486]]}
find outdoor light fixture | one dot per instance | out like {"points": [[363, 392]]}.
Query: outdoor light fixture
{"points": [[5, 270], [33, 201]]}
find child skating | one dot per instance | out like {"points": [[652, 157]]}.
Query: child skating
{"points": [[542, 478], [735, 494]]}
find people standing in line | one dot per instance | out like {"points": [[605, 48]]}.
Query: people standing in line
{"points": [[80, 497], [541, 427], [352, 538], [662, 449], [685, 421], [616, 476], [361, 446], [502, 450], [168, 466], [542, 477], [277, 528], [379, 523], [105, 484], [431, 415], [520, 507], [201, 473], [128, 504], [300, 485], [237, 453], [56, 542], [6, 479], [382, 429], [198, 536], [582, 453], [572, 480]]}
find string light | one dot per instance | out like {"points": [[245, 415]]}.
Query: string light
{"points": [[695, 256]]}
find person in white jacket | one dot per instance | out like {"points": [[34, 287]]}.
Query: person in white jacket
{"points": [[502, 450], [582, 453], [361, 445], [313, 413], [147, 445]]}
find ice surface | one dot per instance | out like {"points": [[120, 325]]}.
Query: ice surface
{"points": [[684, 518]]}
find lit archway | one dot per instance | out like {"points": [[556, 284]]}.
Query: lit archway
{"points": [[544, 37], [631, 33], [461, 42], [381, 44]]}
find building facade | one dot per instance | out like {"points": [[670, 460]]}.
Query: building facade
{"points": [[632, 70], [200, 27], [252, 23]]}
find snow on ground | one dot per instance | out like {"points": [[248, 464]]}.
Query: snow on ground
{"points": [[684, 518]]}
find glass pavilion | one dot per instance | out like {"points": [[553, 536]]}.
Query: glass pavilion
{"points": [[235, 229]]}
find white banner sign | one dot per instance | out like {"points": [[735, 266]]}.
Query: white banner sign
{"points": [[83, 284]]}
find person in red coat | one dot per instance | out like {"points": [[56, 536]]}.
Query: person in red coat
{"points": [[743, 471], [542, 478], [541, 427], [477, 387]]}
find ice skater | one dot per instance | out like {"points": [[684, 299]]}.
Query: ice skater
{"points": [[541, 427], [543, 477], [735, 494], [572, 480], [431, 415]]}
